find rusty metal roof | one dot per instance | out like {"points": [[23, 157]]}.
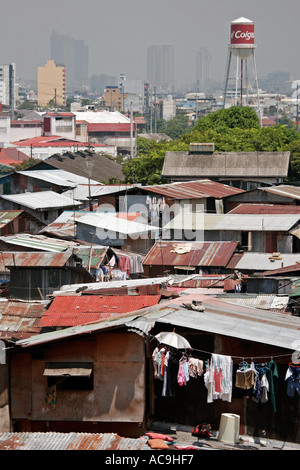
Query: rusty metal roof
{"points": [[35, 259], [265, 209], [219, 317], [194, 190], [19, 319], [68, 441], [7, 216], [79, 310], [170, 253], [292, 192]]}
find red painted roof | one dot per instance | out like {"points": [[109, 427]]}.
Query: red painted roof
{"points": [[266, 209], [78, 310]]}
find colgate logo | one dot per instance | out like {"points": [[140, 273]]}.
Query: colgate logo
{"points": [[242, 35]]}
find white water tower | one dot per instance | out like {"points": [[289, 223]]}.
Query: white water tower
{"points": [[241, 84]]}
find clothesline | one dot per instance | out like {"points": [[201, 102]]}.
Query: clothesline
{"points": [[271, 356]]}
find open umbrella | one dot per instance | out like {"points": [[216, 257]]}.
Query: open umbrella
{"points": [[173, 339]]}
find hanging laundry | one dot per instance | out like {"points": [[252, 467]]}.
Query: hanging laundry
{"points": [[246, 376], [170, 377], [272, 375], [124, 264], [292, 377], [218, 378], [158, 358], [195, 367], [183, 371]]}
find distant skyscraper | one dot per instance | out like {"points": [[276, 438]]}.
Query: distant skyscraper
{"points": [[73, 54], [51, 85], [203, 65], [160, 67], [7, 86]]}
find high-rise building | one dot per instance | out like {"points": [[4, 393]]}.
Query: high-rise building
{"points": [[203, 68], [51, 85], [7, 86], [160, 67], [73, 54]]}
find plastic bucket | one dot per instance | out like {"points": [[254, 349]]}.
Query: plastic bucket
{"points": [[229, 430]]}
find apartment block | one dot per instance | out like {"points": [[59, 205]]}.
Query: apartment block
{"points": [[51, 85]]}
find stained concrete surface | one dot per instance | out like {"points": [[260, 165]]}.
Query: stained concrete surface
{"points": [[182, 436]]}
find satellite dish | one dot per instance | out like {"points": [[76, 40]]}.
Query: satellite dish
{"points": [[296, 357]]}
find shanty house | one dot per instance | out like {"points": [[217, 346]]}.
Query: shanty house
{"points": [[46, 206], [162, 201], [282, 194], [18, 320], [12, 222], [35, 275], [255, 232], [245, 170], [100, 377]]}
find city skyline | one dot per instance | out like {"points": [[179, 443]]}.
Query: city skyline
{"points": [[118, 35]]}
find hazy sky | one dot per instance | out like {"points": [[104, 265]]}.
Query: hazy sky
{"points": [[118, 33]]}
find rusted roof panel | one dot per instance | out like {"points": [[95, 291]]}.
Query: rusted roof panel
{"points": [[265, 209], [292, 192], [67, 441], [165, 253], [195, 190], [19, 319], [79, 310], [35, 259]]}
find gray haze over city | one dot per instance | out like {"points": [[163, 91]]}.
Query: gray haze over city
{"points": [[118, 33]]}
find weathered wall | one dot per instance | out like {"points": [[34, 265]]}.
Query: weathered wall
{"points": [[118, 393]]}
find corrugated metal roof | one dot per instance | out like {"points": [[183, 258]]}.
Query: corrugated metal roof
{"points": [[261, 261], [19, 319], [281, 271], [168, 253], [265, 302], [68, 441], [7, 216], [219, 317], [35, 259], [229, 164], [78, 310], [42, 200], [58, 177], [38, 242], [292, 192], [194, 190], [232, 222], [129, 283], [265, 209], [108, 221]]}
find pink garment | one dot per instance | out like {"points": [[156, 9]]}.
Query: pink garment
{"points": [[124, 264], [180, 375]]}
